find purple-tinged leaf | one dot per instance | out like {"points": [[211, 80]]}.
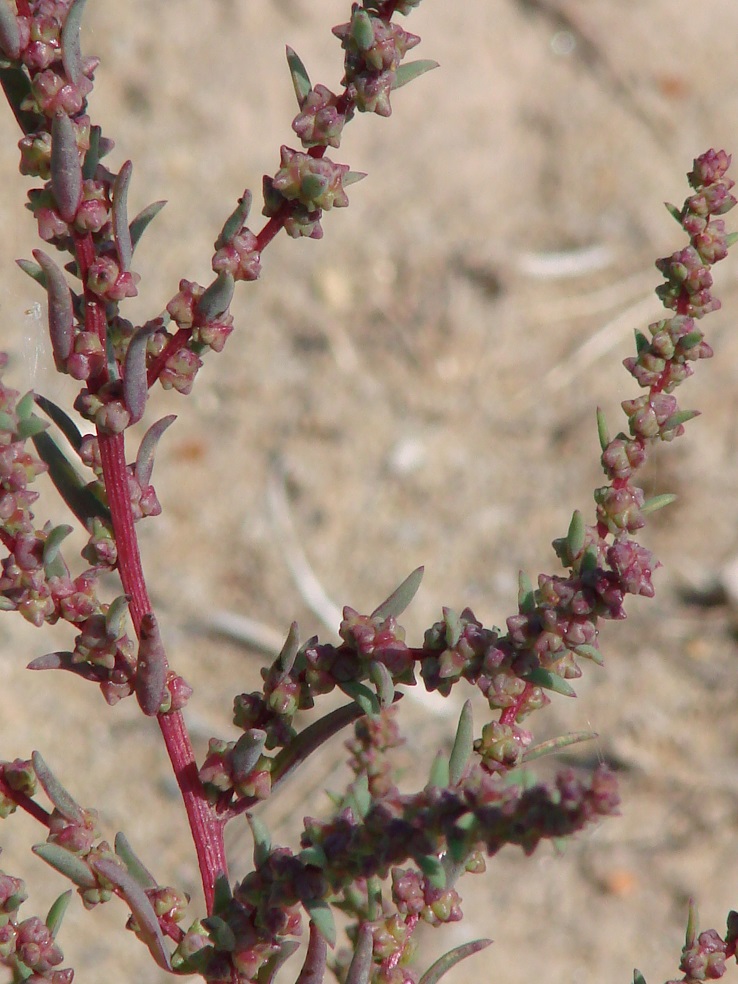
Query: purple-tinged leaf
{"points": [[70, 42], [65, 423], [214, 302], [401, 597], [136, 868], [135, 383], [463, 745], [10, 39], [140, 906], [313, 970], [442, 966], [145, 458], [62, 800], [235, 221], [246, 752], [151, 667], [68, 864], [121, 232], [65, 661], [410, 71], [60, 308], [556, 744], [66, 170], [57, 911], [139, 225], [322, 918], [34, 271], [360, 968], [300, 78]]}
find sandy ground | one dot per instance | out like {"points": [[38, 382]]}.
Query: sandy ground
{"points": [[426, 376]]}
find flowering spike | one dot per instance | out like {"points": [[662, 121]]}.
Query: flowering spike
{"points": [[57, 911], [401, 597], [409, 71], [135, 383], [139, 224], [60, 309], [145, 458], [70, 42], [449, 960], [62, 800], [121, 231], [139, 904], [151, 667], [300, 77], [10, 40], [463, 745], [133, 863], [66, 171]]}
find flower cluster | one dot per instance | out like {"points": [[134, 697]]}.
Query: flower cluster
{"points": [[27, 946]]}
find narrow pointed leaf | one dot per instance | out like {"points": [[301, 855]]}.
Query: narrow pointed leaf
{"points": [[247, 752], [674, 212], [145, 458], [262, 840], [10, 40], [235, 221], [551, 681], [17, 88], [556, 744], [121, 232], [136, 868], [602, 431], [453, 627], [270, 968], [67, 864], [692, 923], [222, 895], [658, 502], [66, 170], [382, 680], [65, 661], [140, 906], [93, 155], [363, 696], [412, 70], [526, 595], [589, 652], [65, 423], [289, 650], [679, 418], [442, 966], [70, 42], [439, 774], [433, 869], [135, 383], [360, 968], [139, 224], [575, 534], [151, 667], [56, 912], [353, 177], [299, 75], [359, 798], [62, 800], [60, 308], [34, 271], [52, 545], [401, 597], [116, 614], [214, 302], [321, 915], [314, 856], [638, 977], [463, 745], [68, 482], [30, 427]]}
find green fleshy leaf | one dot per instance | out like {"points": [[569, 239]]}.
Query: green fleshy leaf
{"points": [[314, 856], [70, 42], [220, 932], [680, 417], [409, 71], [526, 594], [268, 971], [575, 534], [136, 868], [442, 966], [52, 545], [362, 32], [235, 221], [363, 696], [56, 912], [382, 680], [439, 773], [216, 298], [453, 627], [17, 89], [262, 840], [556, 744], [300, 78], [589, 652], [321, 915], [289, 651], [116, 615], [93, 155], [65, 423], [433, 870], [135, 382], [140, 906], [602, 431], [589, 559], [222, 894], [463, 745], [551, 681], [145, 458], [731, 239], [66, 169], [121, 230], [401, 597], [658, 502], [692, 924], [638, 977], [247, 751], [139, 225], [30, 427], [62, 800], [674, 212], [353, 177], [359, 798], [33, 270], [68, 482], [642, 343], [67, 864], [10, 40]]}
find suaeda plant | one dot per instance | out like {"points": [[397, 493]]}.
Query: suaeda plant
{"points": [[384, 859]]}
